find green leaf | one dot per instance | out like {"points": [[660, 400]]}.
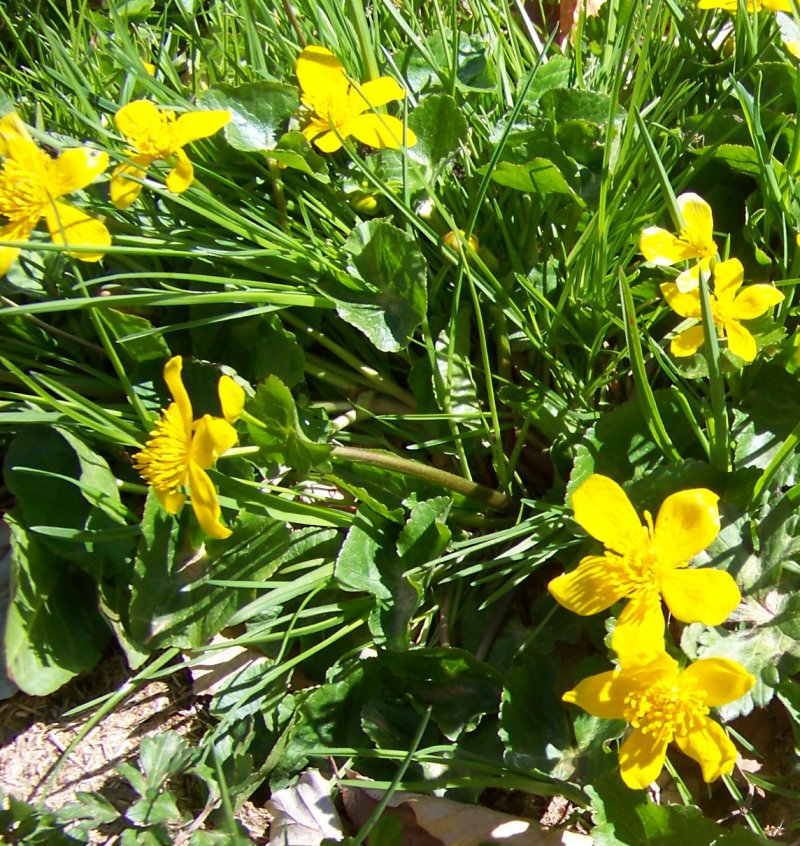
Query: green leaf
{"points": [[429, 66], [280, 435], [138, 349], [455, 388], [391, 273], [53, 630], [88, 812], [294, 151], [150, 811], [565, 104], [260, 112], [555, 73], [439, 125], [538, 176], [162, 755], [172, 600]]}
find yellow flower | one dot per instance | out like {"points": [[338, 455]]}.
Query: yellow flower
{"points": [[642, 563], [31, 183], [181, 449], [752, 5], [727, 308], [664, 704], [695, 240], [154, 134], [340, 109]]}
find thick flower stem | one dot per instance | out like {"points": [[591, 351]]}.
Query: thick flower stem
{"points": [[388, 461], [718, 424]]}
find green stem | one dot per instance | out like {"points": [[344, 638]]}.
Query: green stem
{"points": [[359, 20], [772, 468], [389, 461], [718, 425]]}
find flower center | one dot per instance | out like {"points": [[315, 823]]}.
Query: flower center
{"points": [[23, 187], [666, 708], [157, 139], [638, 567], [703, 249], [164, 461]]}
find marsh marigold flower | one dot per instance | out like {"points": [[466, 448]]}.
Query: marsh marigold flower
{"points": [[694, 241], [155, 133], [340, 109], [663, 704], [181, 449], [728, 307], [643, 563], [752, 5], [31, 182]]}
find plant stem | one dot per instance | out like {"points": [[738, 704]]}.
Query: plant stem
{"points": [[389, 461], [718, 424]]}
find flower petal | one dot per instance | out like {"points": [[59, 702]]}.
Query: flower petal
{"points": [[376, 92], [212, 437], [182, 175], [77, 168], [137, 119], [687, 342], [711, 748], [171, 501], [74, 228], [754, 300], [174, 380], [689, 280], [722, 679], [14, 231], [686, 524], [590, 588], [641, 759], [740, 341], [728, 278], [698, 223], [328, 142], [124, 191], [639, 633], [603, 509], [380, 131], [205, 503], [684, 303], [601, 695], [13, 134], [321, 76], [231, 398], [663, 248], [700, 595], [193, 125]]}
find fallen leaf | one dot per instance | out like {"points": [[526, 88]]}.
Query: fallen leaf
{"points": [[303, 815], [570, 12], [216, 667]]}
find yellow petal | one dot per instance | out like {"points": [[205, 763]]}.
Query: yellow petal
{"points": [[686, 524], [601, 695], [193, 125], [74, 228], [376, 92], [754, 300], [174, 380], [314, 128], [641, 759], [14, 231], [205, 503], [321, 77], [698, 224], [689, 280], [687, 342], [589, 588], [182, 176], [171, 501], [740, 341], [212, 437], [329, 142], [639, 633], [380, 131], [12, 132], [76, 168], [603, 509], [139, 119], [686, 304], [231, 398], [663, 248], [124, 191], [700, 595], [722, 679], [711, 748], [778, 5], [728, 278]]}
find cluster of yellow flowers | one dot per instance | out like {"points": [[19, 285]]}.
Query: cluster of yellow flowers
{"points": [[729, 305], [31, 181], [643, 564]]}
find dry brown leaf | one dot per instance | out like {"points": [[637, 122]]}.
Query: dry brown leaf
{"points": [[304, 815], [570, 11], [217, 667]]}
